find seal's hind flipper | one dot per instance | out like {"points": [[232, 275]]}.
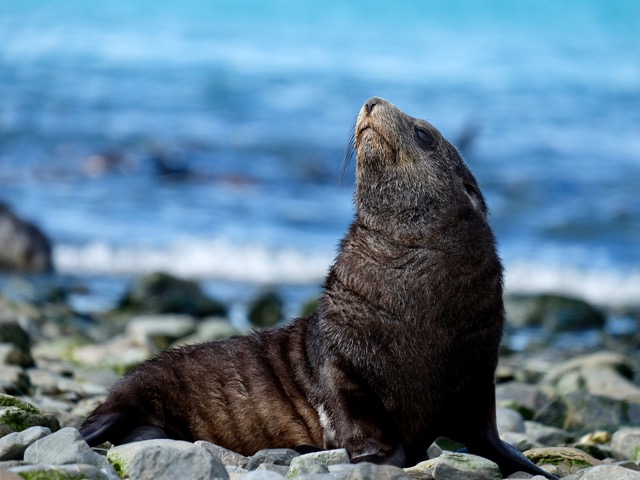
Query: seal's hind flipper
{"points": [[144, 432], [98, 429], [508, 458], [118, 428]]}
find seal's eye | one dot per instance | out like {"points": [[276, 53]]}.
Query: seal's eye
{"points": [[424, 137]]}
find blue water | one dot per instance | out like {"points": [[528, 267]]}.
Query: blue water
{"points": [[252, 102]]}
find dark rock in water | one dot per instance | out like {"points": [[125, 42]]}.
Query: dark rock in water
{"points": [[555, 313], [23, 246], [266, 310], [163, 293], [13, 334]]}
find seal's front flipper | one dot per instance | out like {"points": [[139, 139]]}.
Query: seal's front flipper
{"points": [[144, 432], [353, 417], [508, 458]]}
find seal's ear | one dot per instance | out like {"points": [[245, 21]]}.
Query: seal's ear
{"points": [[473, 192]]}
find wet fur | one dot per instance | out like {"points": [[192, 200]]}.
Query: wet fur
{"points": [[401, 349]]}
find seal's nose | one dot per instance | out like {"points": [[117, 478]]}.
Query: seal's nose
{"points": [[372, 102]]}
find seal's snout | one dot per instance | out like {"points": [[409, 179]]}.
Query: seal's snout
{"points": [[369, 104]]}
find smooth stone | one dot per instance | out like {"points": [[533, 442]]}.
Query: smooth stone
{"points": [[524, 398], [509, 420], [548, 436], [454, 466], [367, 471], [625, 444], [158, 332], [14, 379], [580, 411], [66, 446], [610, 472], [567, 460], [281, 469], [165, 460], [556, 313], [12, 446], [275, 456], [263, 475], [520, 440], [62, 472], [227, 457], [235, 473], [423, 470], [11, 355], [317, 462], [210, 329]]}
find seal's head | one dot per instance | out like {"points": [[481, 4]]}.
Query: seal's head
{"points": [[407, 172]]}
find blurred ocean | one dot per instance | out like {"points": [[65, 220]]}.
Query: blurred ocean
{"points": [[205, 138]]}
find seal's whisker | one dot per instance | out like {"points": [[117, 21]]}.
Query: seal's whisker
{"points": [[349, 152]]}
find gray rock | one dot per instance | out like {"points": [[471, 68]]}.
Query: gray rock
{"points": [[235, 473], [263, 475], [210, 329], [524, 398], [545, 435], [11, 355], [23, 246], [317, 462], [14, 380], [423, 470], [610, 472], [281, 469], [520, 440], [275, 456], [227, 457], [366, 471], [454, 466], [165, 460], [580, 411], [158, 332], [66, 446], [509, 420], [625, 444], [12, 446], [63, 472]]}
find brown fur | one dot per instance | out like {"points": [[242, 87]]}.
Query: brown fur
{"points": [[402, 348]]}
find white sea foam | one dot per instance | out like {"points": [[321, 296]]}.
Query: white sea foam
{"points": [[213, 260], [224, 260], [600, 286]]}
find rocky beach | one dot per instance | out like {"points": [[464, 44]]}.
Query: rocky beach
{"points": [[571, 404]]}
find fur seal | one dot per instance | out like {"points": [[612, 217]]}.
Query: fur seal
{"points": [[402, 348]]}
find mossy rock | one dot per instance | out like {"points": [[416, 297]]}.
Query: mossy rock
{"points": [[567, 460], [17, 420], [163, 293], [266, 310], [11, 401]]}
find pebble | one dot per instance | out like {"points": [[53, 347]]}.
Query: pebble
{"points": [[454, 466], [582, 415]]}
